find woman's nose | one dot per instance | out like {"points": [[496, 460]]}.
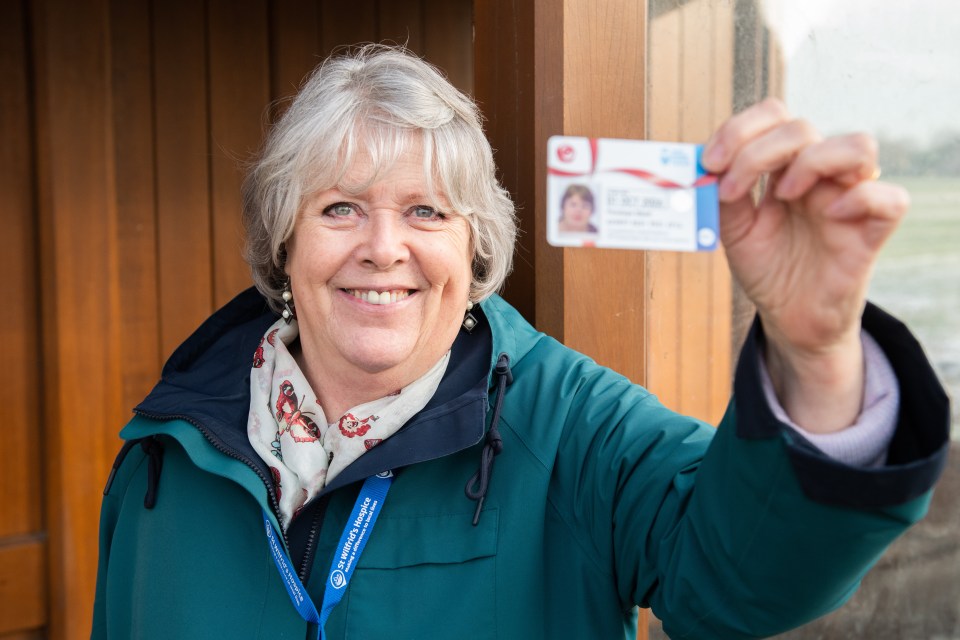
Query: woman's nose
{"points": [[385, 240]]}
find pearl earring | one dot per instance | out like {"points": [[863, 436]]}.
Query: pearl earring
{"points": [[469, 321], [288, 313]]}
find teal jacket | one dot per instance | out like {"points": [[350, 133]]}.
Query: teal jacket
{"points": [[600, 499]]}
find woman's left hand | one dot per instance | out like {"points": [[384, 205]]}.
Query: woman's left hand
{"points": [[805, 252]]}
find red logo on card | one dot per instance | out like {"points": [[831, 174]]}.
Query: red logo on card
{"points": [[565, 153]]}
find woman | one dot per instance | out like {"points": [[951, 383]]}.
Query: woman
{"points": [[576, 209], [377, 237]]}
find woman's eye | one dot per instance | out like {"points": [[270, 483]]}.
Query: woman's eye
{"points": [[423, 212], [339, 210]]}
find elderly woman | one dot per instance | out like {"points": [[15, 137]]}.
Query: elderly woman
{"points": [[375, 444]]}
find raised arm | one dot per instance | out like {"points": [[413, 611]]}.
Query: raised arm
{"points": [[805, 251]]}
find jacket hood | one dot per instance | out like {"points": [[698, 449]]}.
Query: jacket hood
{"points": [[511, 333], [206, 381]]}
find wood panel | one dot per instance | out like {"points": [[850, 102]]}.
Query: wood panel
{"points": [[347, 23], [706, 312], [663, 268], [82, 382], [522, 109], [22, 585], [604, 289], [294, 49], [304, 32], [34, 634], [401, 22], [239, 95], [182, 149], [696, 125], [136, 240], [548, 117], [688, 352], [22, 399], [447, 40]]}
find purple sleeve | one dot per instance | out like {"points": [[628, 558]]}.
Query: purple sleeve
{"points": [[865, 442]]}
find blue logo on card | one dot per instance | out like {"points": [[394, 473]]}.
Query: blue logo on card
{"points": [[675, 157]]}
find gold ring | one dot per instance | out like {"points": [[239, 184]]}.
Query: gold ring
{"points": [[876, 174]]}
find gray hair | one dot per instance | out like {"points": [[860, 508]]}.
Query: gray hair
{"points": [[381, 100]]}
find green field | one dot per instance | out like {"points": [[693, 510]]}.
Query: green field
{"points": [[918, 276]]}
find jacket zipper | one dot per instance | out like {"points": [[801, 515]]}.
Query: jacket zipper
{"points": [[274, 504], [318, 517]]}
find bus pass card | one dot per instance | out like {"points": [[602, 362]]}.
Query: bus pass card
{"points": [[629, 194]]}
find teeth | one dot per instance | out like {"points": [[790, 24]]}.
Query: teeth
{"points": [[379, 297]]}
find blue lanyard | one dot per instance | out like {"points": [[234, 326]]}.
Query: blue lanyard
{"points": [[352, 541]]}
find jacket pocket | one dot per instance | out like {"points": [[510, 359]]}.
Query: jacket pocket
{"points": [[431, 576]]}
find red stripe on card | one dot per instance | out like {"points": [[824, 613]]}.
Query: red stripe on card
{"points": [[643, 175]]}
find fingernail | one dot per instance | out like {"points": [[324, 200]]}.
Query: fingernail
{"points": [[714, 155], [784, 190]]}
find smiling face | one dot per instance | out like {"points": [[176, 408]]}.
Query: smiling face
{"points": [[380, 276]]}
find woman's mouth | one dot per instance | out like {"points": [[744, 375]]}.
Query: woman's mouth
{"points": [[379, 297]]}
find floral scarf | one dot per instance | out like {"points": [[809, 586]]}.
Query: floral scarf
{"points": [[288, 429]]}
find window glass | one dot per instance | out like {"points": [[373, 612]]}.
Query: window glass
{"points": [[886, 67], [890, 68]]}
